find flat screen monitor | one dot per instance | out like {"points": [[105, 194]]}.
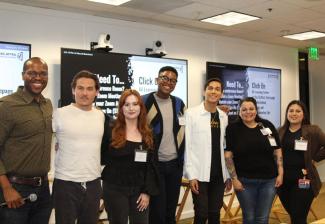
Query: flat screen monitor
{"points": [[117, 72], [264, 84], [12, 58]]}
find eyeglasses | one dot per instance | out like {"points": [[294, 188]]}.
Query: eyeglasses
{"points": [[166, 79], [34, 74]]}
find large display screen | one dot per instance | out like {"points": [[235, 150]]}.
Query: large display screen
{"points": [[264, 84], [117, 72], [12, 58]]}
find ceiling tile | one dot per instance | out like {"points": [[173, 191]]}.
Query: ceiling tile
{"points": [[279, 17], [157, 6], [305, 3], [195, 11], [270, 9], [231, 4], [133, 12], [319, 8], [169, 19], [253, 36], [318, 24], [300, 16]]}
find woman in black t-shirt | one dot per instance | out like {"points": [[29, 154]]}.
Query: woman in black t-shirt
{"points": [[130, 175], [252, 144], [303, 144]]}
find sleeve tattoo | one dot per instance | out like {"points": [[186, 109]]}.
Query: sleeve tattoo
{"points": [[279, 160], [231, 167]]}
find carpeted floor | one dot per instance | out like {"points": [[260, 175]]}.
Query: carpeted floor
{"points": [[278, 214]]}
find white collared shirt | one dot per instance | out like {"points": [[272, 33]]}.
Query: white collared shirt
{"points": [[198, 145]]}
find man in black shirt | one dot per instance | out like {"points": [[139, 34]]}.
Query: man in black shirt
{"points": [[204, 156]]}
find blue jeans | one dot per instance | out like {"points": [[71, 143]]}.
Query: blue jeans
{"points": [[37, 212], [256, 200]]}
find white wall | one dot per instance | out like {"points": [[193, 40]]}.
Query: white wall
{"points": [[317, 91], [317, 102], [49, 30]]}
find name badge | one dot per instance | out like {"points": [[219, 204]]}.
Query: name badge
{"points": [[272, 140], [140, 156], [304, 183], [301, 145], [181, 120], [266, 131]]}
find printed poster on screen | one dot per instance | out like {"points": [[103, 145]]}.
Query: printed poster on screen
{"points": [[12, 58]]}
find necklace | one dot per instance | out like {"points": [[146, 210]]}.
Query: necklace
{"points": [[294, 128], [213, 122]]}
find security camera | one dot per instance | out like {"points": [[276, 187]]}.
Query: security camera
{"points": [[158, 43], [157, 50], [103, 43]]}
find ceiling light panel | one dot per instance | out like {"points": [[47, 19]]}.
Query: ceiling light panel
{"points": [[230, 19], [306, 35], [110, 2]]}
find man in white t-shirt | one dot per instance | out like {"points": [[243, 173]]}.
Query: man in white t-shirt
{"points": [[79, 129]]}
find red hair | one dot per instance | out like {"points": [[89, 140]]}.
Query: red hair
{"points": [[119, 129]]}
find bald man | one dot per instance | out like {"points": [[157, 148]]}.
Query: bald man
{"points": [[25, 145]]}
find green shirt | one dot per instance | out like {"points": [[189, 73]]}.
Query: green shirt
{"points": [[25, 134]]}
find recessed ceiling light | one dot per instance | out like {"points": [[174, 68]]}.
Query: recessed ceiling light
{"points": [[230, 18], [305, 35], [110, 2]]}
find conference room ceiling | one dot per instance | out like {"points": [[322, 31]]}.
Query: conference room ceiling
{"points": [[279, 17]]}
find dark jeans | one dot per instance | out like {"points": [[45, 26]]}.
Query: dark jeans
{"points": [[74, 202], [256, 200], [208, 202], [163, 206], [37, 212], [121, 205], [296, 201]]}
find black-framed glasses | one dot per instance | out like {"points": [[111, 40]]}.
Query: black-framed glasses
{"points": [[167, 79], [34, 74]]}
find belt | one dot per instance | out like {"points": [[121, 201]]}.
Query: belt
{"points": [[31, 181], [83, 184]]}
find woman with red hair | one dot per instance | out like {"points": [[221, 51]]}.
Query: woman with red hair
{"points": [[129, 176]]}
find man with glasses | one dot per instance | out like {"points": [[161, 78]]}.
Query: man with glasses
{"points": [[25, 146], [165, 115]]}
